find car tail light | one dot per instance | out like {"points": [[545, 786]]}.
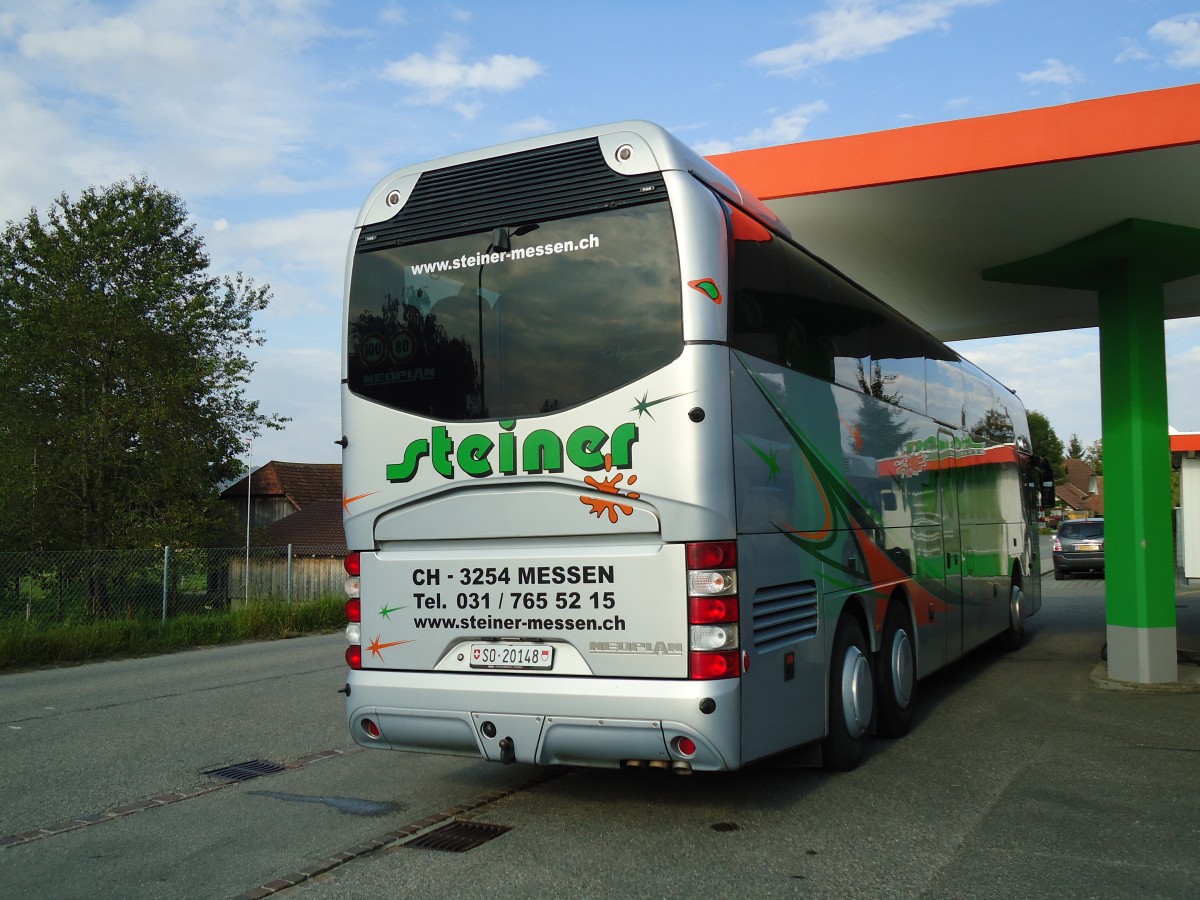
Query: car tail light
{"points": [[712, 610], [1057, 544], [353, 610]]}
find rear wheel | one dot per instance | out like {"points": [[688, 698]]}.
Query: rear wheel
{"points": [[1059, 574], [1014, 637], [851, 697], [896, 674]]}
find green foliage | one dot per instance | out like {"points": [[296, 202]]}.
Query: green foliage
{"points": [[1094, 456], [122, 366], [881, 425], [994, 428], [1075, 448], [23, 645], [1047, 444]]}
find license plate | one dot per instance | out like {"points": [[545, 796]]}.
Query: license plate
{"points": [[1087, 547], [511, 656]]}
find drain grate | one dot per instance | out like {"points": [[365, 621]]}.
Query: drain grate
{"points": [[458, 836], [245, 771]]}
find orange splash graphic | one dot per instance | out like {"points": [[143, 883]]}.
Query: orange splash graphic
{"points": [[600, 505], [375, 646], [346, 501]]}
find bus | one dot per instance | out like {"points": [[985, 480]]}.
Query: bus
{"points": [[633, 480]]}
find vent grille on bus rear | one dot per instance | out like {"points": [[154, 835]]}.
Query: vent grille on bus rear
{"points": [[534, 186], [784, 614]]}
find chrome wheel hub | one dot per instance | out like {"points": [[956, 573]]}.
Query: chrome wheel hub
{"points": [[858, 693], [903, 672]]}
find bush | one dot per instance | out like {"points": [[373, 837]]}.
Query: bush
{"points": [[24, 644]]}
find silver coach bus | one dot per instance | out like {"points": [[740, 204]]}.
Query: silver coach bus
{"points": [[632, 479]]}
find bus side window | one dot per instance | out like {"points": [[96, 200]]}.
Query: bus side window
{"points": [[755, 331]]}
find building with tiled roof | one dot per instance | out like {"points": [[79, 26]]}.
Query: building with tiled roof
{"points": [[319, 524], [1083, 492], [279, 489]]}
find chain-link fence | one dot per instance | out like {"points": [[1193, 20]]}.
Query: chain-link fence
{"points": [[76, 586]]}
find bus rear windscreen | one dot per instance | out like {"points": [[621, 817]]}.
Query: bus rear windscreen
{"points": [[516, 321]]}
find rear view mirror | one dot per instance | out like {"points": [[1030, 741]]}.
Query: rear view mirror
{"points": [[1046, 479]]}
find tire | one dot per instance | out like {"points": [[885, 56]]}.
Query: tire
{"points": [[1014, 637], [895, 674], [1059, 575], [851, 698]]}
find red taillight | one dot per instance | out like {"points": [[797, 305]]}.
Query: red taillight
{"points": [[712, 610], [1057, 544], [353, 609], [712, 555], [707, 665]]}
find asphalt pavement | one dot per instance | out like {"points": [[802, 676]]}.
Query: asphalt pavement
{"points": [[1023, 777]]}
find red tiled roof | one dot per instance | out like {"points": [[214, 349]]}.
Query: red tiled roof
{"points": [[1071, 496], [318, 524], [301, 483], [1079, 473]]}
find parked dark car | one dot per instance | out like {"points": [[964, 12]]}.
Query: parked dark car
{"points": [[1078, 547]]}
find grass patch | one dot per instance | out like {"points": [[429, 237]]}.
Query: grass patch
{"points": [[23, 645]]}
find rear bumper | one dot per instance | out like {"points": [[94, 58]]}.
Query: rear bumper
{"points": [[1079, 562], [548, 721]]}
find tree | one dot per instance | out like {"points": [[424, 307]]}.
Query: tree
{"points": [[1094, 456], [1047, 445], [881, 426], [122, 367], [1075, 448]]}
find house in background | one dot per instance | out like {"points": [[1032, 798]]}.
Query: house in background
{"points": [[298, 540], [280, 489], [1082, 496]]}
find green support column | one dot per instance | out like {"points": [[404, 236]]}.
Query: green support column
{"points": [[1127, 266], [1140, 567]]}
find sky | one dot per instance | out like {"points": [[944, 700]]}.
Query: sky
{"points": [[273, 119]]}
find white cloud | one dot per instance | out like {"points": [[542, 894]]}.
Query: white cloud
{"points": [[1056, 373], [1183, 372], [532, 125], [1132, 53], [119, 40], [31, 155], [392, 14], [302, 257], [301, 383], [198, 96], [785, 128], [1053, 71], [446, 79], [851, 29], [1182, 35]]}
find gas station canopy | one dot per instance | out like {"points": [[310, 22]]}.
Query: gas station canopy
{"points": [[1085, 215], [917, 215]]}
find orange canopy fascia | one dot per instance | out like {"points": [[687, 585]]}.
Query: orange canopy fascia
{"points": [[1181, 443]]}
